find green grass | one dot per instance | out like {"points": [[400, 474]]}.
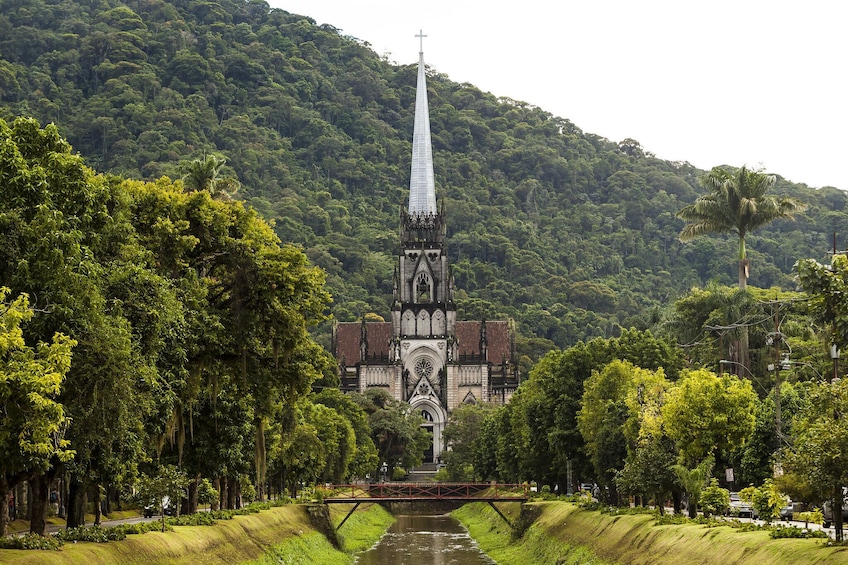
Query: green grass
{"points": [[364, 527], [309, 549], [565, 533], [536, 547], [277, 535], [361, 531], [241, 539]]}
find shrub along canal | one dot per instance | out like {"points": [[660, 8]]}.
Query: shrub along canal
{"points": [[436, 540]]}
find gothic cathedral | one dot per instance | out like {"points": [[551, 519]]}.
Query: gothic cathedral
{"points": [[424, 356]]}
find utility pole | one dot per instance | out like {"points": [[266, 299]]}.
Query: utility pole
{"points": [[778, 337]]}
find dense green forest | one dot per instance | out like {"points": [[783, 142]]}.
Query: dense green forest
{"points": [[573, 235]]}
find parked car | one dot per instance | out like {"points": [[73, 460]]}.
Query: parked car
{"points": [[153, 509], [827, 511], [788, 511], [740, 508]]}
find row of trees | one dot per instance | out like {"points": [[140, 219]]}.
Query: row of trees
{"points": [[144, 324], [625, 412]]}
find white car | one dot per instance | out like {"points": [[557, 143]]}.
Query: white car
{"points": [[740, 508]]}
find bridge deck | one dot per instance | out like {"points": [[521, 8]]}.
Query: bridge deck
{"points": [[361, 499], [425, 492], [411, 492]]}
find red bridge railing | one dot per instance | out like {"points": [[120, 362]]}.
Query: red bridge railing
{"points": [[427, 491]]}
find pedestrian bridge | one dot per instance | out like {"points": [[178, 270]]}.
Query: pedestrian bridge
{"points": [[490, 493]]}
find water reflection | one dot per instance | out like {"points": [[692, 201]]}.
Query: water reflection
{"points": [[436, 540]]}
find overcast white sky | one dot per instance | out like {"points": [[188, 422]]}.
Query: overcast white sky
{"points": [[737, 82]]}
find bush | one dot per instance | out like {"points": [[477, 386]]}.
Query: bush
{"points": [[31, 541], [795, 532], [198, 519], [714, 499], [671, 519], [399, 474], [94, 534], [814, 516], [142, 527], [442, 475], [768, 501], [248, 491], [206, 493]]}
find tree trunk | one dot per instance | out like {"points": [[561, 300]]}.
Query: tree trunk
{"points": [[260, 460], [233, 493], [4, 501], [675, 501], [39, 485], [222, 492], [743, 337], [76, 503], [837, 511], [107, 501], [27, 497], [216, 484], [191, 502], [98, 500]]}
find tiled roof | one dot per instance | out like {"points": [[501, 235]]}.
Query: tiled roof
{"points": [[347, 340], [497, 336], [380, 333]]}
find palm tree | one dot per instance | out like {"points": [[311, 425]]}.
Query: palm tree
{"points": [[738, 202], [205, 174]]}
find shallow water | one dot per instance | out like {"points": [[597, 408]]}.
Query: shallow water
{"points": [[420, 540]]}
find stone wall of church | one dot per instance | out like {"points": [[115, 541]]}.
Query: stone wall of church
{"points": [[386, 376], [465, 379]]}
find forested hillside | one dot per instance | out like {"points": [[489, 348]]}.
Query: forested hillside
{"points": [[571, 234]]}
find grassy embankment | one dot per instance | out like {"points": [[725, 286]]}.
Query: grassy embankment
{"points": [[567, 534], [278, 535]]}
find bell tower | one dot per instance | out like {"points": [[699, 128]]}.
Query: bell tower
{"points": [[424, 356]]}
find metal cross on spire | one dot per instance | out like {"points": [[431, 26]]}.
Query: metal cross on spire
{"points": [[421, 37]]}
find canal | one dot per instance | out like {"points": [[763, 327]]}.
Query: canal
{"points": [[435, 540]]}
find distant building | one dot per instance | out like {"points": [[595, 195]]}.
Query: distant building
{"points": [[424, 356]]}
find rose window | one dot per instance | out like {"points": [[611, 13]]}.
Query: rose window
{"points": [[423, 368]]}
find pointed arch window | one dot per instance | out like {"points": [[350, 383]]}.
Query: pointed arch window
{"points": [[423, 289]]}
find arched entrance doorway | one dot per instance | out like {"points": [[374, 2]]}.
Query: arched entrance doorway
{"points": [[435, 419]]}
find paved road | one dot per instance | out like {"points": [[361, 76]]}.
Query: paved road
{"points": [[798, 524]]}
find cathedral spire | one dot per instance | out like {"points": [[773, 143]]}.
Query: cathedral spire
{"points": [[422, 186]]}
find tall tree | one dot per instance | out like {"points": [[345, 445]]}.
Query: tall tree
{"points": [[205, 174], [827, 286], [704, 413], [397, 432], [462, 434], [32, 422], [820, 444], [56, 227], [738, 202]]}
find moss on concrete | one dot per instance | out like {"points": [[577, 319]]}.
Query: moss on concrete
{"points": [[565, 533]]}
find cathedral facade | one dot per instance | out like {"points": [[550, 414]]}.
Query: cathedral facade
{"points": [[424, 356]]}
